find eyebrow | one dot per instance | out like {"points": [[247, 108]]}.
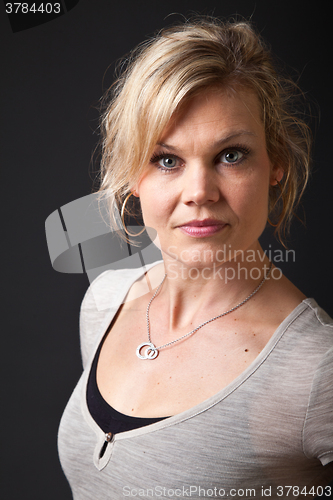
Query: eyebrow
{"points": [[216, 144]]}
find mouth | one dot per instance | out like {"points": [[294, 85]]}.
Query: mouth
{"points": [[202, 228]]}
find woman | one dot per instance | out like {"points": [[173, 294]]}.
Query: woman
{"points": [[207, 373]]}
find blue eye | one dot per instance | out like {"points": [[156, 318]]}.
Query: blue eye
{"points": [[168, 162], [165, 161], [231, 156]]}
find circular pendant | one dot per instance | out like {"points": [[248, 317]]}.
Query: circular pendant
{"points": [[150, 353]]}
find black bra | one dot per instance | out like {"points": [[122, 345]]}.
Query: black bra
{"points": [[107, 418]]}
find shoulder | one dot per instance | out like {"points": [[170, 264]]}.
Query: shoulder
{"points": [[113, 285], [100, 303], [314, 320], [302, 343], [105, 289], [318, 315], [307, 336], [287, 306], [103, 298]]}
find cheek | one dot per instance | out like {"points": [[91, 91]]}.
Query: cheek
{"points": [[156, 205], [249, 197]]}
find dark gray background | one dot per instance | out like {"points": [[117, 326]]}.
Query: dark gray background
{"points": [[52, 79]]}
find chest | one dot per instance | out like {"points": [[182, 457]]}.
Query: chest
{"points": [[184, 373], [228, 446]]}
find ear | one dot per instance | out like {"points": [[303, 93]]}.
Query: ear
{"points": [[277, 174]]}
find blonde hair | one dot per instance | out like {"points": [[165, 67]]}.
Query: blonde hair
{"points": [[165, 71]]}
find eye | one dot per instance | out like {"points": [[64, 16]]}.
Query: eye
{"points": [[231, 156], [167, 161]]}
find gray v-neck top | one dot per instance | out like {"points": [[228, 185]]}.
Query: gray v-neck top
{"points": [[270, 429]]}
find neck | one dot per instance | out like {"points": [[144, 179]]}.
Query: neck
{"points": [[201, 289]]}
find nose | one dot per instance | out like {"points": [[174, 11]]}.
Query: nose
{"points": [[200, 185]]}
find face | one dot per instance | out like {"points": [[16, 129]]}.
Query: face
{"points": [[206, 186]]}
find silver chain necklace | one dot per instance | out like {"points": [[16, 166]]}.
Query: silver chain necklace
{"points": [[152, 351]]}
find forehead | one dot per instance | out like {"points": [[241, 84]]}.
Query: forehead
{"points": [[214, 112]]}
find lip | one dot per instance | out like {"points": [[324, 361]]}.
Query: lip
{"points": [[202, 228]]}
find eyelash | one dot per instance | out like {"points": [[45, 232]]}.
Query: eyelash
{"points": [[163, 154]]}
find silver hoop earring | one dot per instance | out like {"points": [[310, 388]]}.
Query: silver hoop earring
{"points": [[122, 214]]}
